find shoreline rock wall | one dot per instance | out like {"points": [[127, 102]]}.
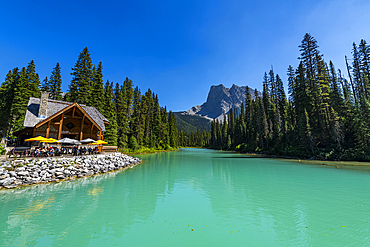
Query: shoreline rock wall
{"points": [[27, 172]]}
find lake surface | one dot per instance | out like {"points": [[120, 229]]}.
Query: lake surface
{"points": [[194, 197]]}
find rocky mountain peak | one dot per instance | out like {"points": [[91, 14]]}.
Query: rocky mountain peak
{"points": [[219, 101]]}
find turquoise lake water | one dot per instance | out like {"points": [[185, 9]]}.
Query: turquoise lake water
{"points": [[194, 197]]}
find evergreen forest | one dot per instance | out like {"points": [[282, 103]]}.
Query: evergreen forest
{"points": [[136, 120], [324, 115]]}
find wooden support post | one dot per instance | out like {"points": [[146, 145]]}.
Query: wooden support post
{"points": [[91, 130], [73, 111], [60, 127], [101, 138], [48, 129], [82, 127]]}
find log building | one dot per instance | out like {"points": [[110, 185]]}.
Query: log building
{"points": [[59, 119]]}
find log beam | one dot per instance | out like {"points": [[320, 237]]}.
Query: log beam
{"points": [[82, 127], [60, 127], [48, 130]]}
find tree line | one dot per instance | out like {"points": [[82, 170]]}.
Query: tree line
{"points": [[136, 120], [324, 115]]}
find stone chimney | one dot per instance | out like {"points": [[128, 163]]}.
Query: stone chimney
{"points": [[43, 105]]}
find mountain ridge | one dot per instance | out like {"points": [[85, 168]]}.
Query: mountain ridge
{"points": [[220, 100]]}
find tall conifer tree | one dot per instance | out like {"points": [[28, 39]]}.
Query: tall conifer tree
{"points": [[54, 84], [81, 83], [97, 93], [110, 113], [7, 91]]}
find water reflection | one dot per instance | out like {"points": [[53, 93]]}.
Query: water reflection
{"points": [[89, 207], [298, 202]]}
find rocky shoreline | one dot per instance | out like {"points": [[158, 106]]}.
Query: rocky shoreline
{"points": [[35, 171]]}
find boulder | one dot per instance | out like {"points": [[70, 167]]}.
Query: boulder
{"points": [[23, 173], [7, 181]]}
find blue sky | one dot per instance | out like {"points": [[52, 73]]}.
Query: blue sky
{"points": [[178, 49]]}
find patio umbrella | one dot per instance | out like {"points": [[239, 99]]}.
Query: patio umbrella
{"points": [[93, 143], [36, 139], [50, 140], [88, 140], [69, 141], [98, 142], [101, 142]]}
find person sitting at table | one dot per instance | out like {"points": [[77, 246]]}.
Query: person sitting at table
{"points": [[51, 152], [45, 152]]}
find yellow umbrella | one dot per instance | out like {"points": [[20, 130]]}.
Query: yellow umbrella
{"points": [[50, 140], [94, 143], [36, 139], [101, 142], [98, 142]]}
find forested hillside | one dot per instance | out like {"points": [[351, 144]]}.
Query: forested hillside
{"points": [[136, 119], [324, 115], [192, 123]]}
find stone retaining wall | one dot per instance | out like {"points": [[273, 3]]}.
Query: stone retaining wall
{"points": [[26, 172]]}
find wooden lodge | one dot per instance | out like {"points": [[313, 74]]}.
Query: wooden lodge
{"points": [[59, 119]]}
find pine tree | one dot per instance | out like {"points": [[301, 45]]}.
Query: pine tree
{"points": [[267, 104], [44, 85], [81, 83], [259, 123], [7, 91], [172, 129], [323, 107], [133, 143], [364, 54], [54, 84], [110, 113], [310, 56], [135, 124], [156, 120], [213, 134], [248, 115], [225, 129], [97, 93], [356, 72], [164, 129], [20, 100], [122, 123], [282, 103], [292, 101], [147, 111], [128, 85], [33, 81]]}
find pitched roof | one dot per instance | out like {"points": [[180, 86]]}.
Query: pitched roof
{"points": [[55, 106]]}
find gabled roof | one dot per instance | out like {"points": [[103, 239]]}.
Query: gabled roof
{"points": [[55, 106]]}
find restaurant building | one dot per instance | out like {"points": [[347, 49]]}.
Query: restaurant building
{"points": [[59, 119]]}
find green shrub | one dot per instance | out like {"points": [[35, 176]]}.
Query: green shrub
{"points": [[133, 143]]}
